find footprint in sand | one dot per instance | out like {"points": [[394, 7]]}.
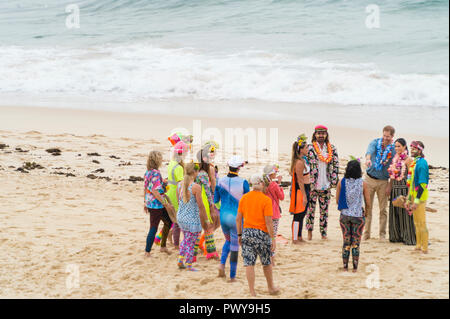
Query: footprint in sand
{"points": [[428, 258]]}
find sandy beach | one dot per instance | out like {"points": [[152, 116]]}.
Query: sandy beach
{"points": [[80, 212]]}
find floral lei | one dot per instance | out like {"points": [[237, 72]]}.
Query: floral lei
{"points": [[382, 157], [319, 153], [398, 167]]}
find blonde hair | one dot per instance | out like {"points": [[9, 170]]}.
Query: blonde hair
{"points": [[189, 170], [154, 160]]}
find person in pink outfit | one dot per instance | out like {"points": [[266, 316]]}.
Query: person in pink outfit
{"points": [[276, 194]]}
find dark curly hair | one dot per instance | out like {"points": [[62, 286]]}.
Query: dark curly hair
{"points": [[353, 170]]}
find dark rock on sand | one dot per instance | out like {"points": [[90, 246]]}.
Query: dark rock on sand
{"points": [[22, 170], [92, 176], [114, 157], [64, 174], [93, 154], [125, 164], [285, 184], [2, 146], [136, 179], [437, 167], [100, 170], [20, 150], [31, 165], [96, 162], [54, 151]]}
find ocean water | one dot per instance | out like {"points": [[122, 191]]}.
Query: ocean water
{"points": [[311, 51]]}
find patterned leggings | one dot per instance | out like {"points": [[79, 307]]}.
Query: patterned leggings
{"points": [[324, 201], [352, 228], [187, 247], [210, 244]]}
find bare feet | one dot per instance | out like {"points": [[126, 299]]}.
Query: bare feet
{"points": [[147, 254], [274, 291], [296, 242], [425, 251], [366, 237], [253, 293], [165, 250], [344, 269], [221, 271], [324, 238], [232, 280], [309, 234], [355, 270]]}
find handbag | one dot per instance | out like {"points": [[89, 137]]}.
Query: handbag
{"points": [[399, 201]]}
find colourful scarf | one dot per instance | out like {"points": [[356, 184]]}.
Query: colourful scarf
{"points": [[382, 157]]}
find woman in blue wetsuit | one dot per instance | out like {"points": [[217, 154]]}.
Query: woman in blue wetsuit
{"points": [[229, 190]]}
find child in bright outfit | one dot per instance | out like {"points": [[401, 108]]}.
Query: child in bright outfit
{"points": [[205, 178], [155, 202], [175, 174], [275, 193], [349, 196], [191, 215], [256, 233], [229, 191], [418, 179]]}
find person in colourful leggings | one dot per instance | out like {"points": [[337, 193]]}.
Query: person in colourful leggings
{"points": [[175, 174], [191, 215], [205, 178], [229, 190], [349, 196]]}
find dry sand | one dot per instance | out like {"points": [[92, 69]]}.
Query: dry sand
{"points": [[53, 224]]}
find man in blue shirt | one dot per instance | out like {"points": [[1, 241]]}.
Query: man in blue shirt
{"points": [[378, 159]]}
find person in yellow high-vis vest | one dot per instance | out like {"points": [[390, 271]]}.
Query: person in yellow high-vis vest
{"points": [[175, 173], [418, 179]]}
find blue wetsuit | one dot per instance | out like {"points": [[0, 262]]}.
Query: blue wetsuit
{"points": [[229, 190]]}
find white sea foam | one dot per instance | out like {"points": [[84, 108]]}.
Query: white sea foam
{"points": [[141, 71]]}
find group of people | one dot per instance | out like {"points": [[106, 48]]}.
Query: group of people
{"points": [[195, 201]]}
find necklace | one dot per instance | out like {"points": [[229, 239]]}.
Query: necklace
{"points": [[319, 152], [383, 156], [398, 167]]}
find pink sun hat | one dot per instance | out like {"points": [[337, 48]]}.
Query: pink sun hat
{"points": [[321, 128], [180, 148]]}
